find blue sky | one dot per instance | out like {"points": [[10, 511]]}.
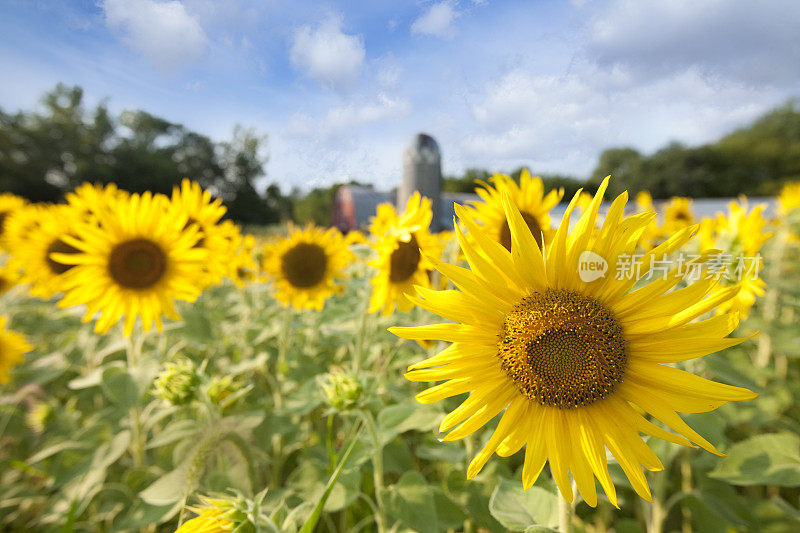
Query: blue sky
{"points": [[341, 87]]}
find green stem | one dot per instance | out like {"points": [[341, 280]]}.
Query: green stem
{"points": [[686, 486], [133, 353], [564, 515], [377, 469], [277, 392], [658, 512], [361, 340], [329, 443]]}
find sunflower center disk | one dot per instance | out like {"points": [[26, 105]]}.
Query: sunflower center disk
{"points": [[304, 265], [137, 264], [533, 225], [563, 349], [404, 260], [59, 247]]}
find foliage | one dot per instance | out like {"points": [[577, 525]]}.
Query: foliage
{"points": [[754, 160], [88, 442], [45, 153], [317, 204]]}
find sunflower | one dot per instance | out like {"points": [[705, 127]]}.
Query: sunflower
{"points": [[355, 237], [223, 513], [8, 277], [213, 516], [573, 365], [134, 259], [381, 223], [528, 195], [242, 267], [220, 241], [9, 203], [12, 346], [20, 224], [677, 215], [401, 261], [31, 254], [741, 235], [89, 199], [304, 266], [789, 197]]}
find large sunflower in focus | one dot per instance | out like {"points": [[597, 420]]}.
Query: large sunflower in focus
{"points": [[32, 254], [529, 196], [133, 260], [402, 250], [574, 366], [304, 267], [12, 346], [197, 205]]}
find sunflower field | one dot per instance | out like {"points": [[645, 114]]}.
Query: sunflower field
{"points": [[619, 370]]}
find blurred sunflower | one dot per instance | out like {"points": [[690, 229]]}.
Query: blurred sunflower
{"points": [[529, 195], [403, 250], [8, 277], [242, 267], [741, 235], [32, 255], [223, 514], [573, 365], [89, 199], [677, 215], [385, 216], [19, 225], [213, 516], [135, 258], [355, 237], [304, 267], [789, 197], [201, 211], [12, 346], [9, 203]]}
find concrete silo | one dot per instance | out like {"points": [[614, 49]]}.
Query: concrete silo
{"points": [[422, 171]]}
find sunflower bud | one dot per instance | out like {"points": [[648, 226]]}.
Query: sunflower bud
{"points": [[39, 416], [177, 383], [221, 388], [344, 391]]}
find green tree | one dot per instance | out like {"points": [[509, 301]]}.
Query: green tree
{"points": [[50, 151]]}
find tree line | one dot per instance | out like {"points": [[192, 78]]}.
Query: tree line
{"points": [[48, 152]]}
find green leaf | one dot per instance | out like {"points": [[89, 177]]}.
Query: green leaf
{"points": [[517, 509], [772, 459], [174, 431], [540, 529], [120, 387], [412, 502], [311, 523], [400, 418]]}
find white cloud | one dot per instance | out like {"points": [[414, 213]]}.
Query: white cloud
{"points": [[751, 41], [329, 55], [562, 123], [341, 123], [164, 33], [437, 20]]}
